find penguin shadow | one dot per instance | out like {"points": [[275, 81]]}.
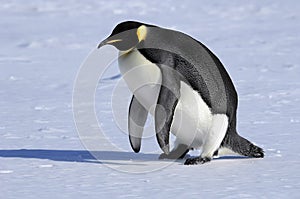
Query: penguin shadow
{"points": [[231, 157], [96, 157]]}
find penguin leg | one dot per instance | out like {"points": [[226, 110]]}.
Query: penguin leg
{"points": [[178, 152], [166, 103], [137, 117], [212, 141]]}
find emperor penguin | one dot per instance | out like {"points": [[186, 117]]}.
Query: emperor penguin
{"points": [[179, 81]]}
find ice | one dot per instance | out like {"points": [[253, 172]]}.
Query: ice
{"points": [[6, 171], [43, 44], [45, 166]]}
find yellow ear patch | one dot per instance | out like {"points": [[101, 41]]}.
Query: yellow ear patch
{"points": [[141, 33]]}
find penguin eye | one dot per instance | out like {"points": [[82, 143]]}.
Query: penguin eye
{"points": [[125, 40]]}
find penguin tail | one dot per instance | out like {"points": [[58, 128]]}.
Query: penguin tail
{"points": [[243, 146]]}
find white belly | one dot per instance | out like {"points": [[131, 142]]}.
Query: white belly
{"points": [[142, 77], [192, 118]]}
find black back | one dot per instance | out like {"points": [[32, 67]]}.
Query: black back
{"points": [[201, 69]]}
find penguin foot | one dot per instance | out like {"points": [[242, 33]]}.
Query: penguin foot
{"points": [[196, 160]]}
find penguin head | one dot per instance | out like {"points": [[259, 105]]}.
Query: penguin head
{"points": [[126, 35]]}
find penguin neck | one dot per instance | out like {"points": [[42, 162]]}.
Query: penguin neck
{"points": [[142, 77]]}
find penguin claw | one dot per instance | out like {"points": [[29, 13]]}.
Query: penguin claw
{"points": [[196, 160]]}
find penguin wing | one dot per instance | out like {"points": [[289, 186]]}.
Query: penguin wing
{"points": [[137, 117], [166, 103]]}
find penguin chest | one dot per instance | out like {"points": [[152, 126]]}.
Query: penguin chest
{"points": [[142, 77], [192, 117]]}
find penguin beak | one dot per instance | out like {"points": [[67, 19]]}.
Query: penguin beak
{"points": [[102, 43], [108, 41]]}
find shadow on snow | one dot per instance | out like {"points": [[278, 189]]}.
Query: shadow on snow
{"points": [[85, 156], [76, 155]]}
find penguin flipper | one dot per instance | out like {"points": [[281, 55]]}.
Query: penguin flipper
{"points": [[166, 104], [137, 117]]}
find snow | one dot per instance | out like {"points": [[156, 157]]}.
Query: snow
{"points": [[43, 44]]}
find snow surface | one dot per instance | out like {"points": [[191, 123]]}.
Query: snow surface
{"points": [[43, 44]]}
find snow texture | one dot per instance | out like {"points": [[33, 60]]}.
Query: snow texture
{"points": [[43, 44]]}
